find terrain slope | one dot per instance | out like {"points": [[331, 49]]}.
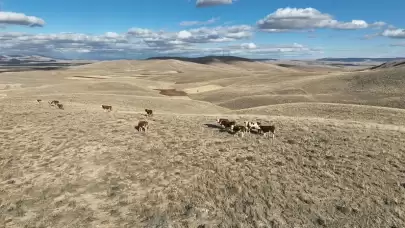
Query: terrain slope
{"points": [[338, 158]]}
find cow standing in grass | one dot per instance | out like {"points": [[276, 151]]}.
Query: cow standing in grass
{"points": [[267, 130], [53, 103], [142, 126], [149, 112], [226, 123], [60, 106], [107, 107], [239, 129]]}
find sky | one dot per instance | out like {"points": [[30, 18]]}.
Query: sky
{"points": [[137, 29]]}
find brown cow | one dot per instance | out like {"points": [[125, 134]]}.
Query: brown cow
{"points": [[60, 106], [142, 125], [227, 123], [267, 130], [239, 129], [107, 107], [149, 112], [53, 103]]}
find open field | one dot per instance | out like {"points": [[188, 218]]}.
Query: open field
{"points": [[338, 159]]}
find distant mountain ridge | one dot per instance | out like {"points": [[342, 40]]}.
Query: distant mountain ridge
{"points": [[361, 59], [24, 59], [209, 59]]}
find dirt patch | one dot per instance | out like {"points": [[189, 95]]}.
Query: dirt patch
{"points": [[172, 92]]}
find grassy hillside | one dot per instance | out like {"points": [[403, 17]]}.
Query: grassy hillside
{"points": [[332, 164]]}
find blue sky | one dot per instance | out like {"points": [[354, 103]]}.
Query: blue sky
{"points": [[251, 28]]}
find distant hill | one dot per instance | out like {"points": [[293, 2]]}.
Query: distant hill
{"points": [[361, 59], [390, 64], [24, 59], [210, 59]]}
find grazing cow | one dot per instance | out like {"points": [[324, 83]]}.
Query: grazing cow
{"points": [[149, 112], [142, 126], [60, 106], [219, 120], [239, 129], [107, 107], [227, 123], [267, 130], [39, 100], [252, 125], [53, 103]]}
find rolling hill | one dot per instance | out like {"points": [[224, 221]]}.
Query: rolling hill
{"points": [[337, 159]]}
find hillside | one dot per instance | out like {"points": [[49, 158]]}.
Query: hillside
{"points": [[361, 59], [205, 59], [390, 64], [337, 159]]}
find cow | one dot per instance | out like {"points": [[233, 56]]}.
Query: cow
{"points": [[239, 129], [149, 112], [252, 125], [60, 106], [107, 107], [227, 123], [53, 103], [219, 120], [267, 130], [142, 126], [39, 101]]}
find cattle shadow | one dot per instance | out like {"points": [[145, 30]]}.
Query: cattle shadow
{"points": [[213, 126], [255, 132], [220, 129]]}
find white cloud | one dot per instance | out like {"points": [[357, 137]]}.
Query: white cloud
{"points": [[137, 42], [207, 3], [248, 46], [184, 35], [11, 18], [194, 36], [141, 43], [378, 24], [286, 19], [194, 23], [394, 33], [142, 33]]}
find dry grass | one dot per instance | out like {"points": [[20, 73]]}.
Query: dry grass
{"points": [[331, 165], [172, 92], [63, 168]]}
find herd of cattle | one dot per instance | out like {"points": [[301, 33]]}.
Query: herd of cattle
{"points": [[248, 126], [54, 103]]}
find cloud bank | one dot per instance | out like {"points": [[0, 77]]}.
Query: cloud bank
{"points": [[287, 19], [141, 43], [203, 39], [11, 18], [394, 33]]}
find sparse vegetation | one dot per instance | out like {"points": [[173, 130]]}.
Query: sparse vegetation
{"points": [[330, 165]]}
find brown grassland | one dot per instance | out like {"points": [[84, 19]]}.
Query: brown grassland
{"points": [[338, 159]]}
